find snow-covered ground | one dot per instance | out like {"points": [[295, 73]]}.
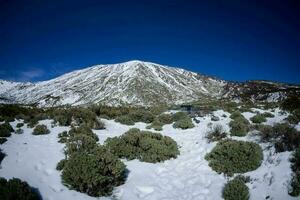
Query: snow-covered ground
{"points": [[188, 177]]}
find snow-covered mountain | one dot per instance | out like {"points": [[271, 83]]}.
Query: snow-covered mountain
{"points": [[133, 82]]}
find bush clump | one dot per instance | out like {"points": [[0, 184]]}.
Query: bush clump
{"points": [[291, 103], [268, 115], [3, 140], [2, 155], [295, 182], [294, 117], [95, 173], [236, 189], [159, 121], [125, 119], [40, 130], [5, 130], [156, 125], [19, 125], [143, 145], [258, 119], [216, 134], [17, 190], [231, 156], [184, 123], [239, 126]]}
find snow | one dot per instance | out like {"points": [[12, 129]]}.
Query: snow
{"points": [[188, 177]]}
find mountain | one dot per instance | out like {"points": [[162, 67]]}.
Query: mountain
{"points": [[136, 83]]}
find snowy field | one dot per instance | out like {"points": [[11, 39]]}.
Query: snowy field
{"points": [[33, 158]]}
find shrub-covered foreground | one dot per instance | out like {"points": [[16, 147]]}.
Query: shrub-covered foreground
{"points": [[231, 156], [236, 189], [143, 145], [15, 189]]}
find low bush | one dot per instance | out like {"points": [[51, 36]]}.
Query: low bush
{"points": [[287, 138], [265, 132], [216, 134], [125, 119], [291, 103], [295, 182], [236, 114], [230, 156], [184, 123], [236, 189], [19, 125], [5, 130], [179, 115], [63, 137], [95, 173], [2, 155], [165, 118], [239, 126], [258, 119], [19, 131], [61, 164], [80, 143], [156, 125], [15, 189], [143, 145], [40, 130], [268, 115], [3, 140], [294, 117]]}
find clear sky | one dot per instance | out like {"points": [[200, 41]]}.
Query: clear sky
{"points": [[231, 39]]}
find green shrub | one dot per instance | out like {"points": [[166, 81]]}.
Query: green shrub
{"points": [[236, 114], [268, 115], [179, 115], [5, 130], [216, 134], [295, 182], [236, 189], [98, 125], [40, 130], [95, 174], [294, 117], [239, 126], [3, 140], [266, 133], [184, 123], [165, 118], [2, 155], [143, 145], [287, 138], [156, 125], [61, 164], [291, 103], [19, 131], [15, 189], [83, 130], [259, 118], [142, 116], [63, 137], [19, 125], [125, 119], [230, 156], [80, 142]]}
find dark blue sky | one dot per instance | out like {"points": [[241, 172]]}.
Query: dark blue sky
{"points": [[230, 39]]}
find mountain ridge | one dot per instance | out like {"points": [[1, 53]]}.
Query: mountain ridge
{"points": [[135, 83]]}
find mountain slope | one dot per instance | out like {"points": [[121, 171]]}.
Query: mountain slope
{"points": [[133, 82], [137, 83]]}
